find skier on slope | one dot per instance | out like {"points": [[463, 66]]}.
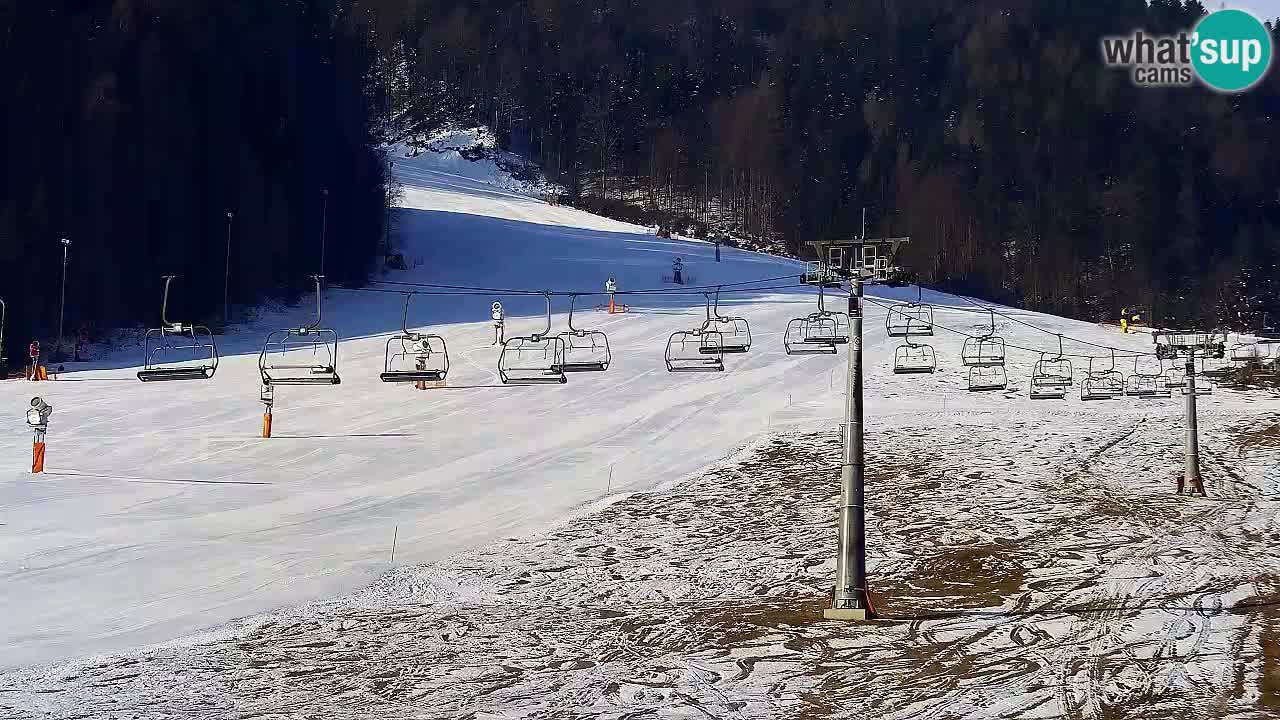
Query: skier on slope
{"points": [[677, 272], [499, 335], [611, 287], [82, 342], [34, 351]]}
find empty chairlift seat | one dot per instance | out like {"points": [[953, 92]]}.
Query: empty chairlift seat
{"points": [[984, 351], [987, 378], [1147, 383], [734, 332], [534, 359], [305, 355], [1049, 383], [913, 358], [910, 319], [177, 351], [584, 350], [818, 333], [1247, 353], [813, 335], [1051, 376], [696, 350], [1102, 384]]}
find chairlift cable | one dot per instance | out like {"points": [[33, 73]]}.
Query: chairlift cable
{"points": [[1127, 353], [684, 290], [987, 308]]}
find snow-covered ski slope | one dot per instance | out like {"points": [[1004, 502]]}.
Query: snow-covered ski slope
{"points": [[163, 514]]}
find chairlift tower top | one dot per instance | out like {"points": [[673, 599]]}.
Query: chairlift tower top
{"points": [[1193, 343], [867, 259]]}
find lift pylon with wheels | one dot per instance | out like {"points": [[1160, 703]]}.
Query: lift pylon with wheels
{"points": [[413, 356], [534, 359], [177, 351], [585, 350], [307, 355]]}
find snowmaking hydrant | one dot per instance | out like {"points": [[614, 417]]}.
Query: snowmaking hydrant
{"points": [[38, 420]]}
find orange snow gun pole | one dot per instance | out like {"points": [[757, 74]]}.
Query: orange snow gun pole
{"points": [[37, 457], [266, 424]]}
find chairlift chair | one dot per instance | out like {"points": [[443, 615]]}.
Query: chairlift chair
{"points": [[1175, 378], [818, 333], [832, 326], [1247, 353], [1051, 376], [534, 359], [177, 351], [810, 335], [1147, 385], [585, 350], [414, 356], [907, 319], [696, 350], [987, 378], [986, 350], [735, 332], [1102, 384], [306, 355], [914, 358]]}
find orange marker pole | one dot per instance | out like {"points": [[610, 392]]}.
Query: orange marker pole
{"points": [[37, 457], [612, 307], [266, 424]]}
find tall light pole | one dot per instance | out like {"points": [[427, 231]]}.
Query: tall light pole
{"points": [[62, 304], [226, 277], [386, 239], [324, 225]]}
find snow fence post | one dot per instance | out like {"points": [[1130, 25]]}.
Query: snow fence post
{"points": [[849, 601]]}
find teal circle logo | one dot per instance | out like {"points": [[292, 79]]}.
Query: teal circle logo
{"points": [[1231, 50]]}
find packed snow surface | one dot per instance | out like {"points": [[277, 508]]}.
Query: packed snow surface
{"points": [[1031, 558]]}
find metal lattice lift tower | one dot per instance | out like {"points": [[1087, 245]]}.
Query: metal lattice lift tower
{"points": [[861, 261]]}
